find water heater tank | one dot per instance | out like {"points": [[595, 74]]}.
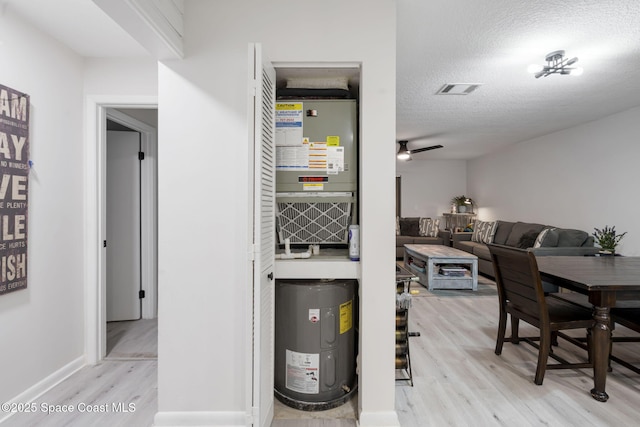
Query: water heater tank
{"points": [[315, 343]]}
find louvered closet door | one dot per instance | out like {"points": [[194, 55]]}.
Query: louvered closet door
{"points": [[264, 239]]}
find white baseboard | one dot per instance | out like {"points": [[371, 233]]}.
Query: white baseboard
{"points": [[378, 419], [41, 387], [199, 418]]}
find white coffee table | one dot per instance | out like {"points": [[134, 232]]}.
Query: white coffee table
{"points": [[435, 256]]}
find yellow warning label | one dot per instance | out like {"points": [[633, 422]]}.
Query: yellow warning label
{"points": [[282, 106], [333, 141], [346, 316], [312, 187]]}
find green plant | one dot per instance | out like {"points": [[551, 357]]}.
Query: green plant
{"points": [[459, 200], [607, 238]]}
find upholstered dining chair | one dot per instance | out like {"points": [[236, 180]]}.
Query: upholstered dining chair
{"points": [[521, 296]]}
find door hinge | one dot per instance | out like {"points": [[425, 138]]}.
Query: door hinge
{"points": [[104, 243], [141, 294], [140, 155]]}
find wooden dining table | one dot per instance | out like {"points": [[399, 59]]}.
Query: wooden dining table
{"points": [[605, 280]]}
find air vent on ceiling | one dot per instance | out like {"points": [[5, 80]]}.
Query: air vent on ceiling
{"points": [[458, 88]]}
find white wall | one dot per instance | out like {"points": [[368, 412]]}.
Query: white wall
{"points": [[582, 177], [41, 328], [125, 76], [204, 210], [429, 185]]}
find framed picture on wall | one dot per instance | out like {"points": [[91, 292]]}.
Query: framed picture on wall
{"points": [[14, 188]]}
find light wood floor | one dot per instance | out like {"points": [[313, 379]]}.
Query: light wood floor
{"points": [[458, 380], [137, 339], [128, 376]]}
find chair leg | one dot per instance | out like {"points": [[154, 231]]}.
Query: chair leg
{"points": [[554, 339], [502, 326], [543, 356], [515, 322]]}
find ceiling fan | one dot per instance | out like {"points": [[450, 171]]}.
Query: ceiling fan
{"points": [[405, 154]]}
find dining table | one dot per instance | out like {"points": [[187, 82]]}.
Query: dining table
{"points": [[606, 280]]}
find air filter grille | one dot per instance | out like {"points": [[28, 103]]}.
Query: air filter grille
{"points": [[314, 222]]}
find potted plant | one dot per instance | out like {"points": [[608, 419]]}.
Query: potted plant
{"points": [[458, 202], [461, 203], [607, 238]]}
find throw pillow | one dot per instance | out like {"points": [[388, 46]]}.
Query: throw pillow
{"points": [[397, 225], [547, 238], [483, 231], [429, 227], [435, 228], [409, 227], [519, 228], [571, 238], [527, 239]]}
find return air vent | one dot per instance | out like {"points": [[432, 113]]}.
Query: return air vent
{"points": [[458, 88]]}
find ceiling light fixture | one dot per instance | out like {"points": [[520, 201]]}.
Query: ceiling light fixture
{"points": [[403, 151], [556, 64]]}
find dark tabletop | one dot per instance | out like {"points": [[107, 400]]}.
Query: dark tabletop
{"points": [[593, 273]]}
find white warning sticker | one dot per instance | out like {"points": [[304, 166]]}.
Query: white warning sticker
{"points": [[303, 372]]}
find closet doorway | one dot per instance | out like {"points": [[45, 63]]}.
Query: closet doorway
{"points": [[130, 232]]}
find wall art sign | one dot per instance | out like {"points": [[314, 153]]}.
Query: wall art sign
{"points": [[14, 188]]}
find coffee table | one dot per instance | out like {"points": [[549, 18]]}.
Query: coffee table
{"points": [[435, 257]]}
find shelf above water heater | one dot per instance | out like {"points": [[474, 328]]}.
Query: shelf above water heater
{"points": [[329, 264]]}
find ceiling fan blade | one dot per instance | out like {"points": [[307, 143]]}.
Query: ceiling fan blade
{"points": [[419, 150]]}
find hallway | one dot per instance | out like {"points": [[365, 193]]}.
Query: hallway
{"points": [[122, 390]]}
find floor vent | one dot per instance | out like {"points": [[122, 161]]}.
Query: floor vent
{"points": [[458, 88]]}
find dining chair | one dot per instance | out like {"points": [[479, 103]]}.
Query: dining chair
{"points": [[626, 314], [521, 295]]}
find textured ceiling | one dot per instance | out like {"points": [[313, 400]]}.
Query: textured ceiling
{"points": [[493, 42], [456, 41]]}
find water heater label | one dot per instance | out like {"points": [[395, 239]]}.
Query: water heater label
{"points": [[346, 316], [314, 315], [303, 372]]}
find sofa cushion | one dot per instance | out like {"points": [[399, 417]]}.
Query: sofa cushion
{"points": [[404, 240], [409, 227], [519, 228], [426, 240], [503, 229], [429, 227], [528, 239], [467, 246], [482, 251], [548, 238], [483, 231], [570, 238]]}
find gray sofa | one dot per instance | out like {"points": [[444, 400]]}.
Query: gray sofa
{"points": [[523, 235], [410, 235]]}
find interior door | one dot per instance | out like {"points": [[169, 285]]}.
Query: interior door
{"points": [[123, 226], [263, 80]]}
